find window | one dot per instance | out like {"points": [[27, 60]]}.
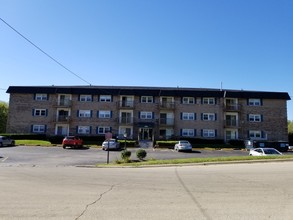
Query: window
{"points": [[41, 97], [85, 98], [188, 132], [208, 133], [146, 115], [254, 102], [105, 98], [209, 116], [254, 134], [39, 128], [83, 130], [147, 99], [208, 101], [103, 129], [188, 116], [254, 118], [40, 112], [188, 100], [104, 114], [84, 113]]}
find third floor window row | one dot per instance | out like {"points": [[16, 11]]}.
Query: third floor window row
{"points": [[146, 99]]}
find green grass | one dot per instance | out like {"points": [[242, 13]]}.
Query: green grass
{"points": [[197, 160], [33, 142]]}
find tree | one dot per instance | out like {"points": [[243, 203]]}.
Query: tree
{"points": [[290, 127], [3, 116]]}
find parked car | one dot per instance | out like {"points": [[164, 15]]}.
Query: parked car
{"points": [[72, 141], [112, 144], [183, 145], [6, 141], [264, 152]]}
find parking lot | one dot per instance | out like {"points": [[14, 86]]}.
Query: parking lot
{"points": [[57, 156]]}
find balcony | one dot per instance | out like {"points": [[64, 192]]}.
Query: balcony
{"points": [[126, 120], [126, 104], [167, 105], [166, 121], [231, 123], [64, 103], [63, 118], [232, 107]]}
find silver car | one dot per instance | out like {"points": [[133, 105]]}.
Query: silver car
{"points": [[183, 145], [111, 144], [264, 152], [6, 141]]}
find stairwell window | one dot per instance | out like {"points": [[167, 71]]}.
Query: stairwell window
{"points": [[254, 118], [146, 115]]}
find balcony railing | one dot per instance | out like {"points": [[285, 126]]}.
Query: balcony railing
{"points": [[126, 104], [63, 118], [167, 105], [231, 123], [126, 120], [64, 103], [232, 107], [167, 121]]}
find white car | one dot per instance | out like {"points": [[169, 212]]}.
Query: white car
{"points": [[112, 144], [6, 141], [264, 152], [183, 146]]}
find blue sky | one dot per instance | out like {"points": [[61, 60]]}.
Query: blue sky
{"points": [[233, 44]]}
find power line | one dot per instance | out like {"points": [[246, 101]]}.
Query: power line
{"points": [[56, 61]]}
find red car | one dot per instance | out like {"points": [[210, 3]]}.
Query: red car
{"points": [[72, 141]]}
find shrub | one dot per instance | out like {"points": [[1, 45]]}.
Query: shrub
{"points": [[141, 154], [125, 155]]}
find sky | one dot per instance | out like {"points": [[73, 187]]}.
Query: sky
{"points": [[228, 44]]}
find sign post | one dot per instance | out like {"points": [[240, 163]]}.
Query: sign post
{"points": [[108, 136]]}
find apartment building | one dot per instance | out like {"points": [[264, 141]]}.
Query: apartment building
{"points": [[148, 113]]}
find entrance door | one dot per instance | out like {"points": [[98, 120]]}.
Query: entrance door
{"points": [[145, 133]]}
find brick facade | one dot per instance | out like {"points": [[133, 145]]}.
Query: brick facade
{"points": [[149, 113]]}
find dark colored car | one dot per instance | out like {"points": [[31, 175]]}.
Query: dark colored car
{"points": [[6, 141], [72, 141]]}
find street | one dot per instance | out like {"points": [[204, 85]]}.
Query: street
{"points": [[222, 192]]}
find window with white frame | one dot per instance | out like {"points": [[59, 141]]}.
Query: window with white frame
{"points": [[85, 98], [83, 130], [105, 98], [103, 129], [84, 113], [39, 128], [146, 115], [208, 101], [41, 97], [254, 117], [208, 116], [40, 112], [104, 114], [188, 116], [147, 99], [188, 100], [188, 132], [254, 134], [208, 133], [254, 102]]}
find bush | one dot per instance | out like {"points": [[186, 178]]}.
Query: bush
{"points": [[125, 155], [141, 154]]}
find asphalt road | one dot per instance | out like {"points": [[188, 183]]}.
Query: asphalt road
{"points": [[257, 191], [57, 156]]}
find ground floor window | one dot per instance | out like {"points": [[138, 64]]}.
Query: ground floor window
{"points": [[103, 129], [188, 132], [83, 129], [208, 133], [39, 128]]}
